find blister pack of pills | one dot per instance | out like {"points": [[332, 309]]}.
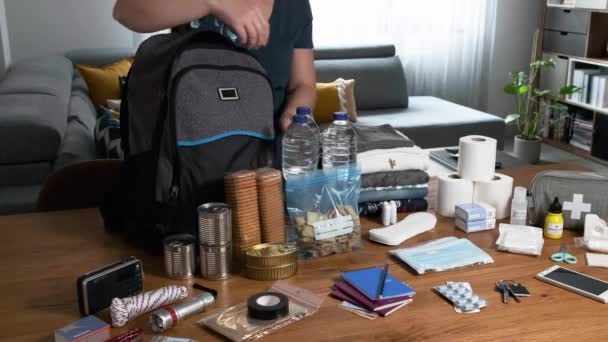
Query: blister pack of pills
{"points": [[462, 296]]}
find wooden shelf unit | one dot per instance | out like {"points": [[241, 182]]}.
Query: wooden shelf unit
{"points": [[595, 55]]}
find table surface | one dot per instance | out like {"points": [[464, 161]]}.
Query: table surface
{"points": [[43, 254]]}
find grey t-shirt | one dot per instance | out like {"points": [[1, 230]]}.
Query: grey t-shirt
{"points": [[290, 28]]}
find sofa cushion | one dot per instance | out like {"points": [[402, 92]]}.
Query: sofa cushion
{"points": [[432, 122], [24, 174], [380, 81], [51, 75], [31, 127], [78, 144], [350, 52], [18, 199], [34, 100]]}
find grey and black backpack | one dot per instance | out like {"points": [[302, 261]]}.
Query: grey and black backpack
{"points": [[194, 108]]}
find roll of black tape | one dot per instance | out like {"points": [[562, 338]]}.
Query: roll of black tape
{"points": [[267, 306]]}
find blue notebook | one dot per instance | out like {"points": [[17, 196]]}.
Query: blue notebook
{"points": [[366, 281]]}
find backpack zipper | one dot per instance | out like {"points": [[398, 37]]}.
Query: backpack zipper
{"points": [[174, 190]]}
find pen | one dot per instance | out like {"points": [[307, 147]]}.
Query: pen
{"points": [[381, 283]]}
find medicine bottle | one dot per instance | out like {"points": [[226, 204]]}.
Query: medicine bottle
{"points": [[519, 206], [554, 222]]}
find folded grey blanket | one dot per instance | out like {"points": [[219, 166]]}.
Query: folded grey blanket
{"points": [[396, 178], [383, 137]]}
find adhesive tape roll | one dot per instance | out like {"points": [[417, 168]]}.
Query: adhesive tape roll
{"points": [[267, 306], [477, 158], [496, 192], [452, 191]]}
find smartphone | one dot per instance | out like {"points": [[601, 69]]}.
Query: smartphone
{"points": [[576, 282]]}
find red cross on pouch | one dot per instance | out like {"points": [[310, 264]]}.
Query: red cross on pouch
{"points": [[577, 207]]}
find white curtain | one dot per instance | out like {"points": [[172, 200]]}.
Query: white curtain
{"points": [[445, 45]]}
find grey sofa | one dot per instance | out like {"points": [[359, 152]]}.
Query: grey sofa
{"points": [[47, 118], [382, 98], [46, 122]]}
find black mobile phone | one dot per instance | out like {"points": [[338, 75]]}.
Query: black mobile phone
{"points": [[97, 288]]}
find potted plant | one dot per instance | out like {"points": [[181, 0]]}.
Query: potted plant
{"points": [[531, 101]]}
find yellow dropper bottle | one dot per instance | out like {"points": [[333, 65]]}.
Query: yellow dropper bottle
{"points": [[554, 222]]}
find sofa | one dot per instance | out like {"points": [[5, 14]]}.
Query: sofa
{"points": [[381, 94], [47, 119]]}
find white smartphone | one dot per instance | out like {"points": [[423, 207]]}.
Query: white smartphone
{"points": [[576, 282]]}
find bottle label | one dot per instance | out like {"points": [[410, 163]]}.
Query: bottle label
{"points": [[555, 229], [518, 214], [335, 227]]}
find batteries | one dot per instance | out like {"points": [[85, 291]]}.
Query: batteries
{"points": [[215, 240]]}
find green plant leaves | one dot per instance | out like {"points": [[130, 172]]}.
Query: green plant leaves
{"points": [[569, 90], [511, 118], [541, 93], [513, 89]]}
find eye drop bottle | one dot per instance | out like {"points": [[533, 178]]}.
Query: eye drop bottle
{"points": [[554, 222]]}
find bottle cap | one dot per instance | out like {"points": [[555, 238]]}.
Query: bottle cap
{"points": [[303, 110], [340, 116], [556, 207], [299, 118]]}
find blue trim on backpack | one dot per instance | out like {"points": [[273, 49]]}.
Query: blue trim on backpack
{"points": [[224, 135]]}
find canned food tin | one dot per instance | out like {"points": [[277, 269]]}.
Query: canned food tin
{"points": [[216, 261], [214, 224], [180, 256]]}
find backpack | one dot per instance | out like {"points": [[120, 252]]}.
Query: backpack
{"points": [[195, 107]]}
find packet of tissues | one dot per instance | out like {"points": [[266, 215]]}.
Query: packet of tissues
{"points": [[520, 239]]}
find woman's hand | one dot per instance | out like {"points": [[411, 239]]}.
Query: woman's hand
{"points": [[286, 120], [249, 18]]}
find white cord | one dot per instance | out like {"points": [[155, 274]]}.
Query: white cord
{"points": [[126, 309]]}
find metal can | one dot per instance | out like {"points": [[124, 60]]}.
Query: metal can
{"points": [[180, 256], [214, 224], [216, 261]]}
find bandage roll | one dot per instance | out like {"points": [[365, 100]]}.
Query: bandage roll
{"points": [[453, 190], [496, 192], [477, 158]]}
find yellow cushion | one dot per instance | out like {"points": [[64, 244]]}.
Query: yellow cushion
{"points": [[338, 96], [103, 82], [328, 102]]}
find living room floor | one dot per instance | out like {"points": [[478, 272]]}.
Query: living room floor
{"points": [[552, 154]]}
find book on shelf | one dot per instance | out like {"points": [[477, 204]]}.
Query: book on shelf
{"points": [[594, 84], [580, 145]]}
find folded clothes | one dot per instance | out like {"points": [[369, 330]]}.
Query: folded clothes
{"points": [[380, 138], [398, 159], [387, 195], [403, 206], [397, 187], [382, 179]]}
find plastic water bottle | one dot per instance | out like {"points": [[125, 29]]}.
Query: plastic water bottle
{"points": [[307, 111], [300, 147], [339, 143]]}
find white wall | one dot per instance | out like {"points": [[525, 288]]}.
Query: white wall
{"points": [[38, 27], [5, 54], [516, 22]]}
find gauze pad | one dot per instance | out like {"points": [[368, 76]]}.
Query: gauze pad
{"points": [[409, 227]]}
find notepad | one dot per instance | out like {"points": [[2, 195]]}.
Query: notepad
{"points": [[366, 281]]}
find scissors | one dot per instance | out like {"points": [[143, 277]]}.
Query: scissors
{"points": [[563, 256]]}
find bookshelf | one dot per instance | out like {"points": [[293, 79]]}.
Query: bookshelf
{"points": [[576, 36]]}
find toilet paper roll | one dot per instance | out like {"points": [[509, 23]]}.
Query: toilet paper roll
{"points": [[477, 158], [453, 190], [496, 192]]}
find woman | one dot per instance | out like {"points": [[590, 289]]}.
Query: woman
{"points": [[277, 32]]}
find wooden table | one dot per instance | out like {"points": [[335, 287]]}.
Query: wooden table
{"points": [[43, 254]]}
